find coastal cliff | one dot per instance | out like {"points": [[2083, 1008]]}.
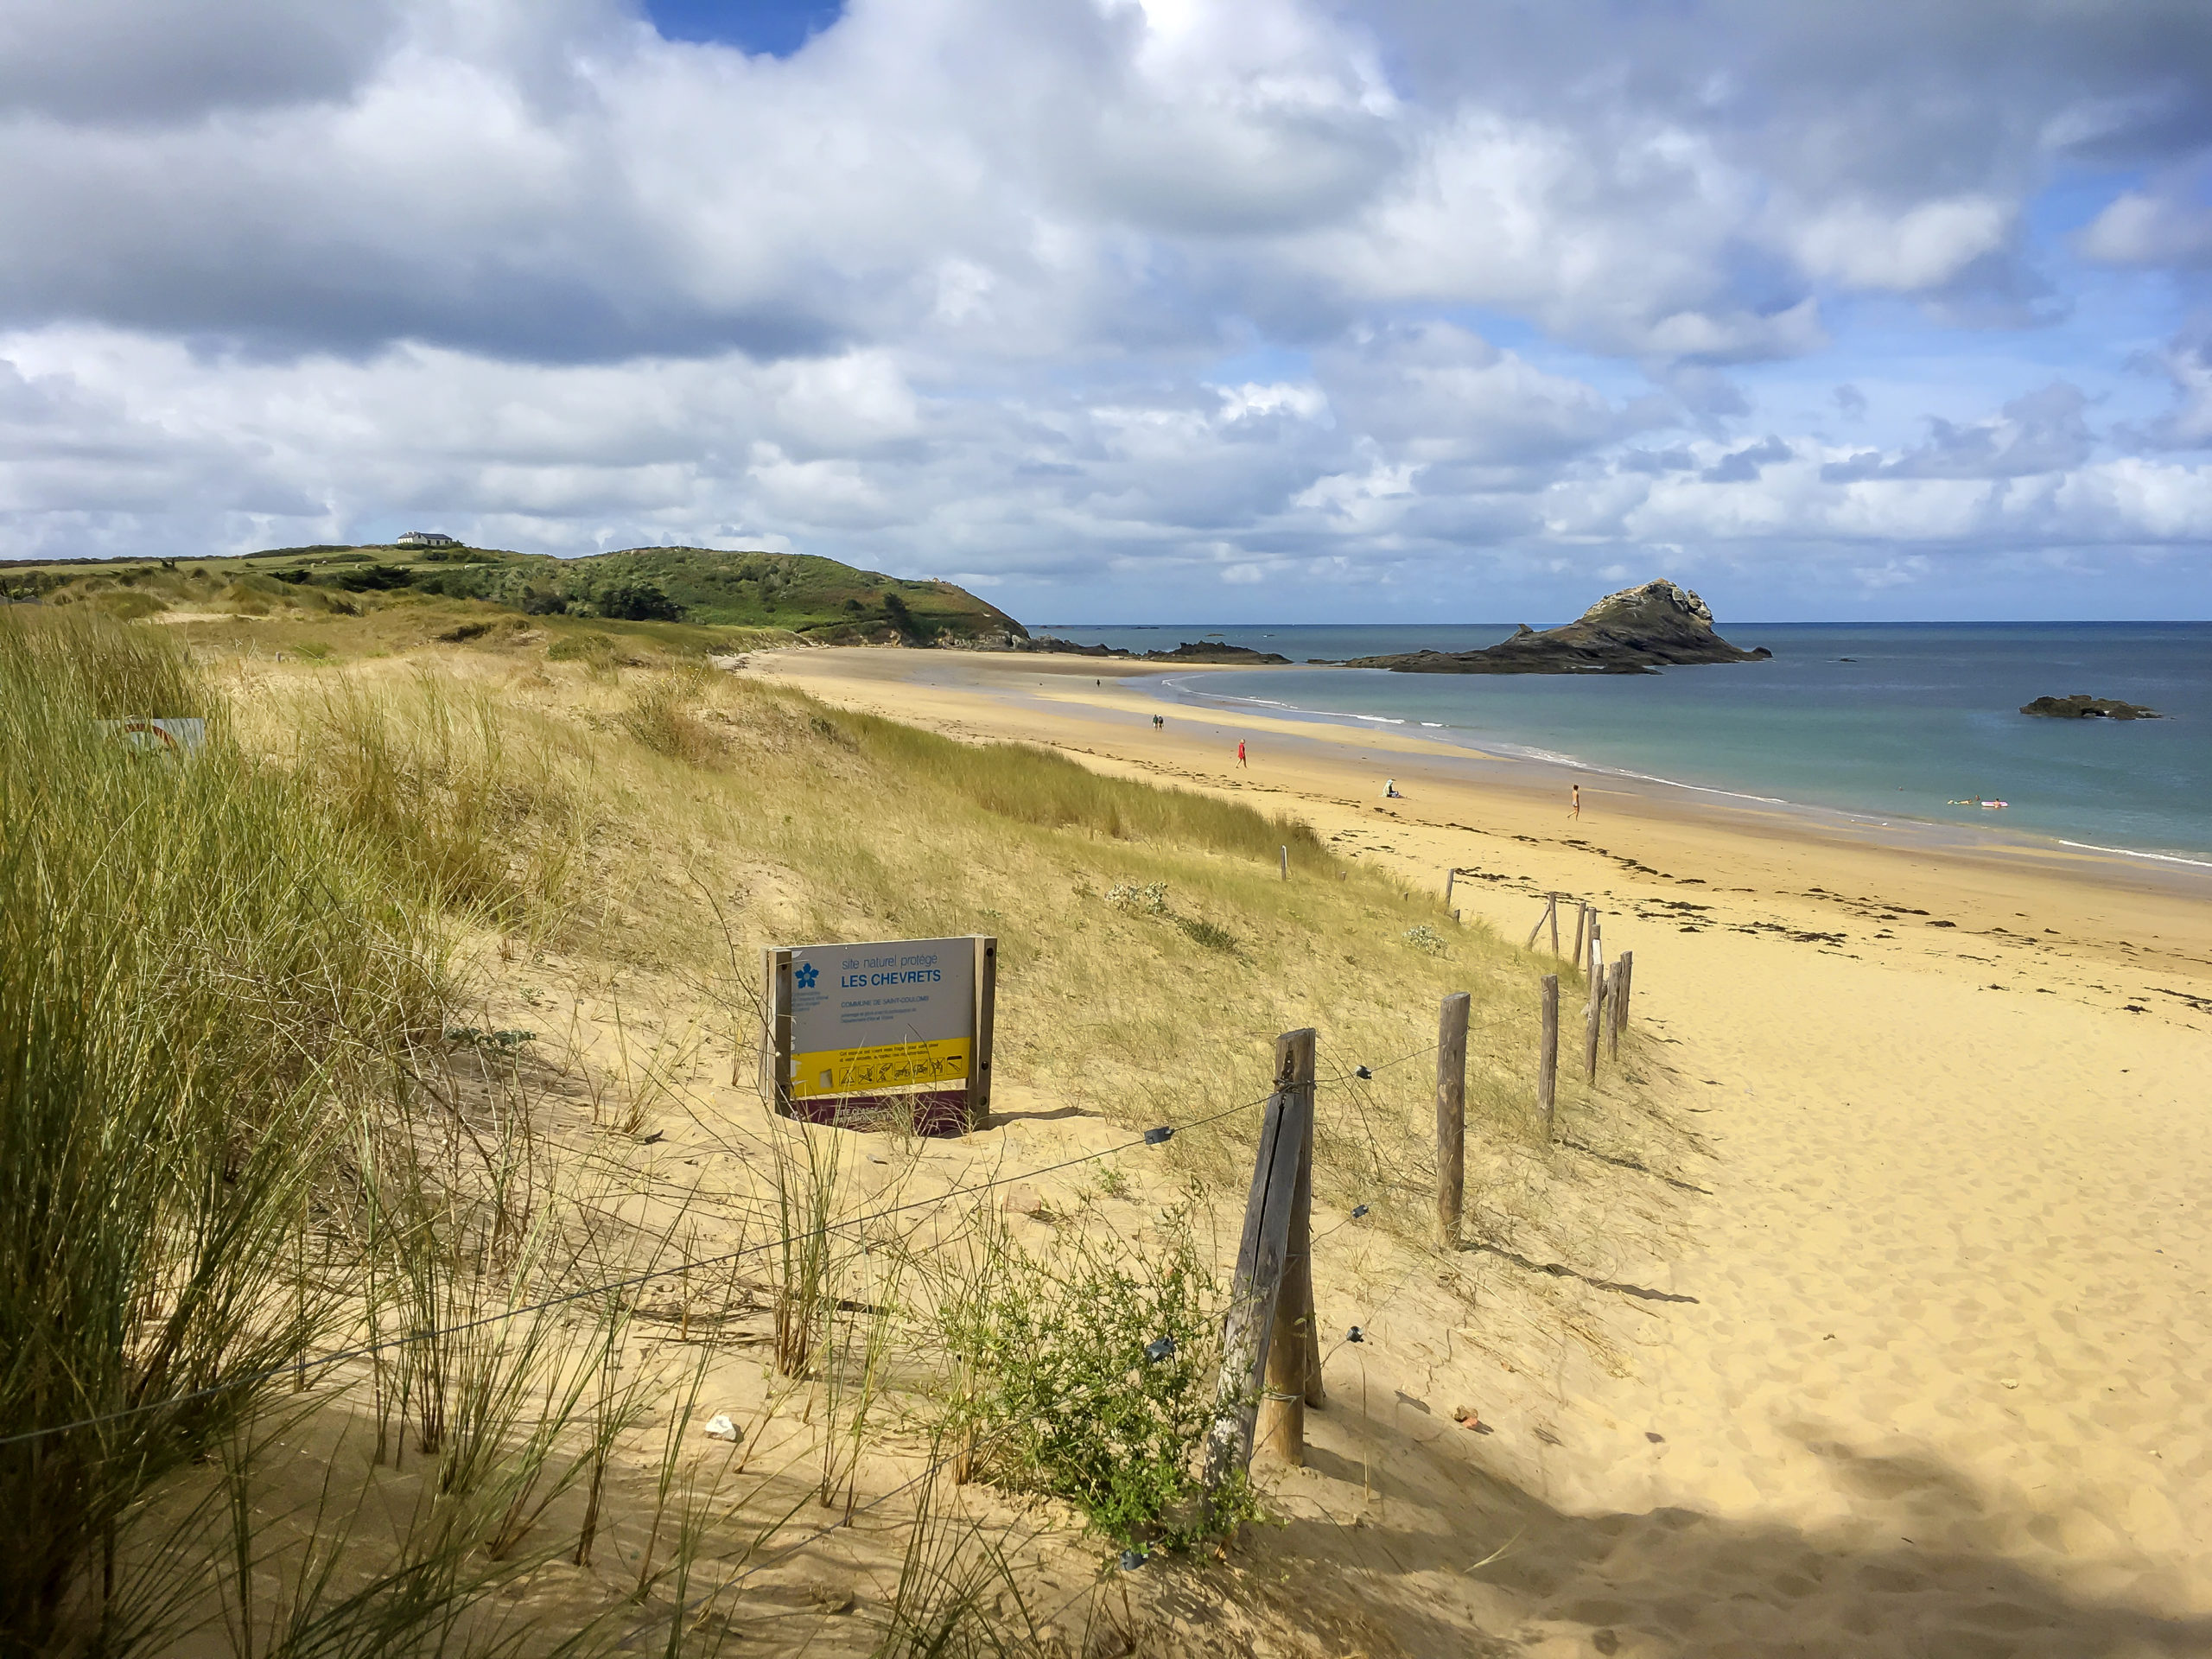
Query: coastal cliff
{"points": [[1636, 631]]}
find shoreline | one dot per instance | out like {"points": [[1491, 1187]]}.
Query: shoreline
{"points": [[1938, 833]]}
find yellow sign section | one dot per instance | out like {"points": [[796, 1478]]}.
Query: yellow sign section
{"points": [[880, 1066]]}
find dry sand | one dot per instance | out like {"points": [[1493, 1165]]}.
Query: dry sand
{"points": [[1922, 1379]]}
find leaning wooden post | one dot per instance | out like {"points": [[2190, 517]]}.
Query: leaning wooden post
{"points": [[1294, 1057], [1592, 1018], [1451, 1117], [1581, 921], [1539, 927], [1281, 1418], [1613, 981], [1548, 1056], [1247, 1328]]}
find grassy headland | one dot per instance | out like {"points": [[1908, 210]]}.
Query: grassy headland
{"points": [[783, 595]]}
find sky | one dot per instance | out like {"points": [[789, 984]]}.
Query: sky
{"points": [[1135, 310]]}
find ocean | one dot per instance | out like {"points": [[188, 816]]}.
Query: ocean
{"points": [[1888, 721]]}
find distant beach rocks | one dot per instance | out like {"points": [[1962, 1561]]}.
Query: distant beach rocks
{"points": [[1205, 651], [1212, 651], [2082, 706], [1636, 631]]}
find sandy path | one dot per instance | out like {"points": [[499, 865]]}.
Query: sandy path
{"points": [[1939, 1389]]}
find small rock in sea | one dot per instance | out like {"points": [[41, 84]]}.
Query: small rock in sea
{"points": [[2081, 706]]}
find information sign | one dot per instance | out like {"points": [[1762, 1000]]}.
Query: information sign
{"points": [[863, 1032]]}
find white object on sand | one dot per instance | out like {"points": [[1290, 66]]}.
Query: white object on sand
{"points": [[721, 1428]]}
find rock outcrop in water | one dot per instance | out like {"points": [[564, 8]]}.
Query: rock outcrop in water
{"points": [[2082, 706], [1212, 651], [1636, 631], [1205, 651]]}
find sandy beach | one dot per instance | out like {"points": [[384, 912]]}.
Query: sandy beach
{"points": [[1924, 1376]]}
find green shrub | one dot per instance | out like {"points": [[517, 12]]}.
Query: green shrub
{"points": [[1068, 1402], [1201, 931]]}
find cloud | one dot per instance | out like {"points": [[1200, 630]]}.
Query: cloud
{"points": [[2162, 227], [1743, 465], [2042, 431], [128, 63]]}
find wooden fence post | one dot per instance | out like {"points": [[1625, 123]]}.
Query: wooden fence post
{"points": [[1552, 911], [1451, 1117], [1614, 978], [1593, 1019], [1293, 1347], [1248, 1331], [1620, 994], [1286, 863], [1548, 1056], [982, 1022], [1450, 876], [1294, 1055], [1581, 921], [775, 1031]]}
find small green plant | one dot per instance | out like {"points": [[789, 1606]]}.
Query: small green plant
{"points": [[1094, 1368], [489, 1042], [1200, 931], [1425, 940], [1149, 900]]}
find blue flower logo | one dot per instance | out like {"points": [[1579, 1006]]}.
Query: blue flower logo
{"points": [[806, 975]]}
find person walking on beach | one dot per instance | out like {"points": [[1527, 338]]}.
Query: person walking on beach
{"points": [[1575, 811], [1240, 760]]}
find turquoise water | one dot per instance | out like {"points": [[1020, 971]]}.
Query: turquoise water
{"points": [[1922, 715]]}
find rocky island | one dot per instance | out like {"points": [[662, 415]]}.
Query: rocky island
{"points": [[1636, 631], [1212, 651], [2082, 706]]}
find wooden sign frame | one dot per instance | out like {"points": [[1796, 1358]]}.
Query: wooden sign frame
{"points": [[941, 1111]]}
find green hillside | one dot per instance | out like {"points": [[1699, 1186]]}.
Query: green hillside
{"points": [[817, 599]]}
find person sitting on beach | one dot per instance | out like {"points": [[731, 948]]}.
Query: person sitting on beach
{"points": [[1390, 790]]}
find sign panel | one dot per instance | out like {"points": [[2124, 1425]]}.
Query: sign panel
{"points": [[868, 1018], [895, 1031], [170, 735]]}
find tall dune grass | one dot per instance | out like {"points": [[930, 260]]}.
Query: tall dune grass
{"points": [[195, 973], [1036, 786]]}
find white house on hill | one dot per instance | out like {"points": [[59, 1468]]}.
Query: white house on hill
{"points": [[426, 538]]}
